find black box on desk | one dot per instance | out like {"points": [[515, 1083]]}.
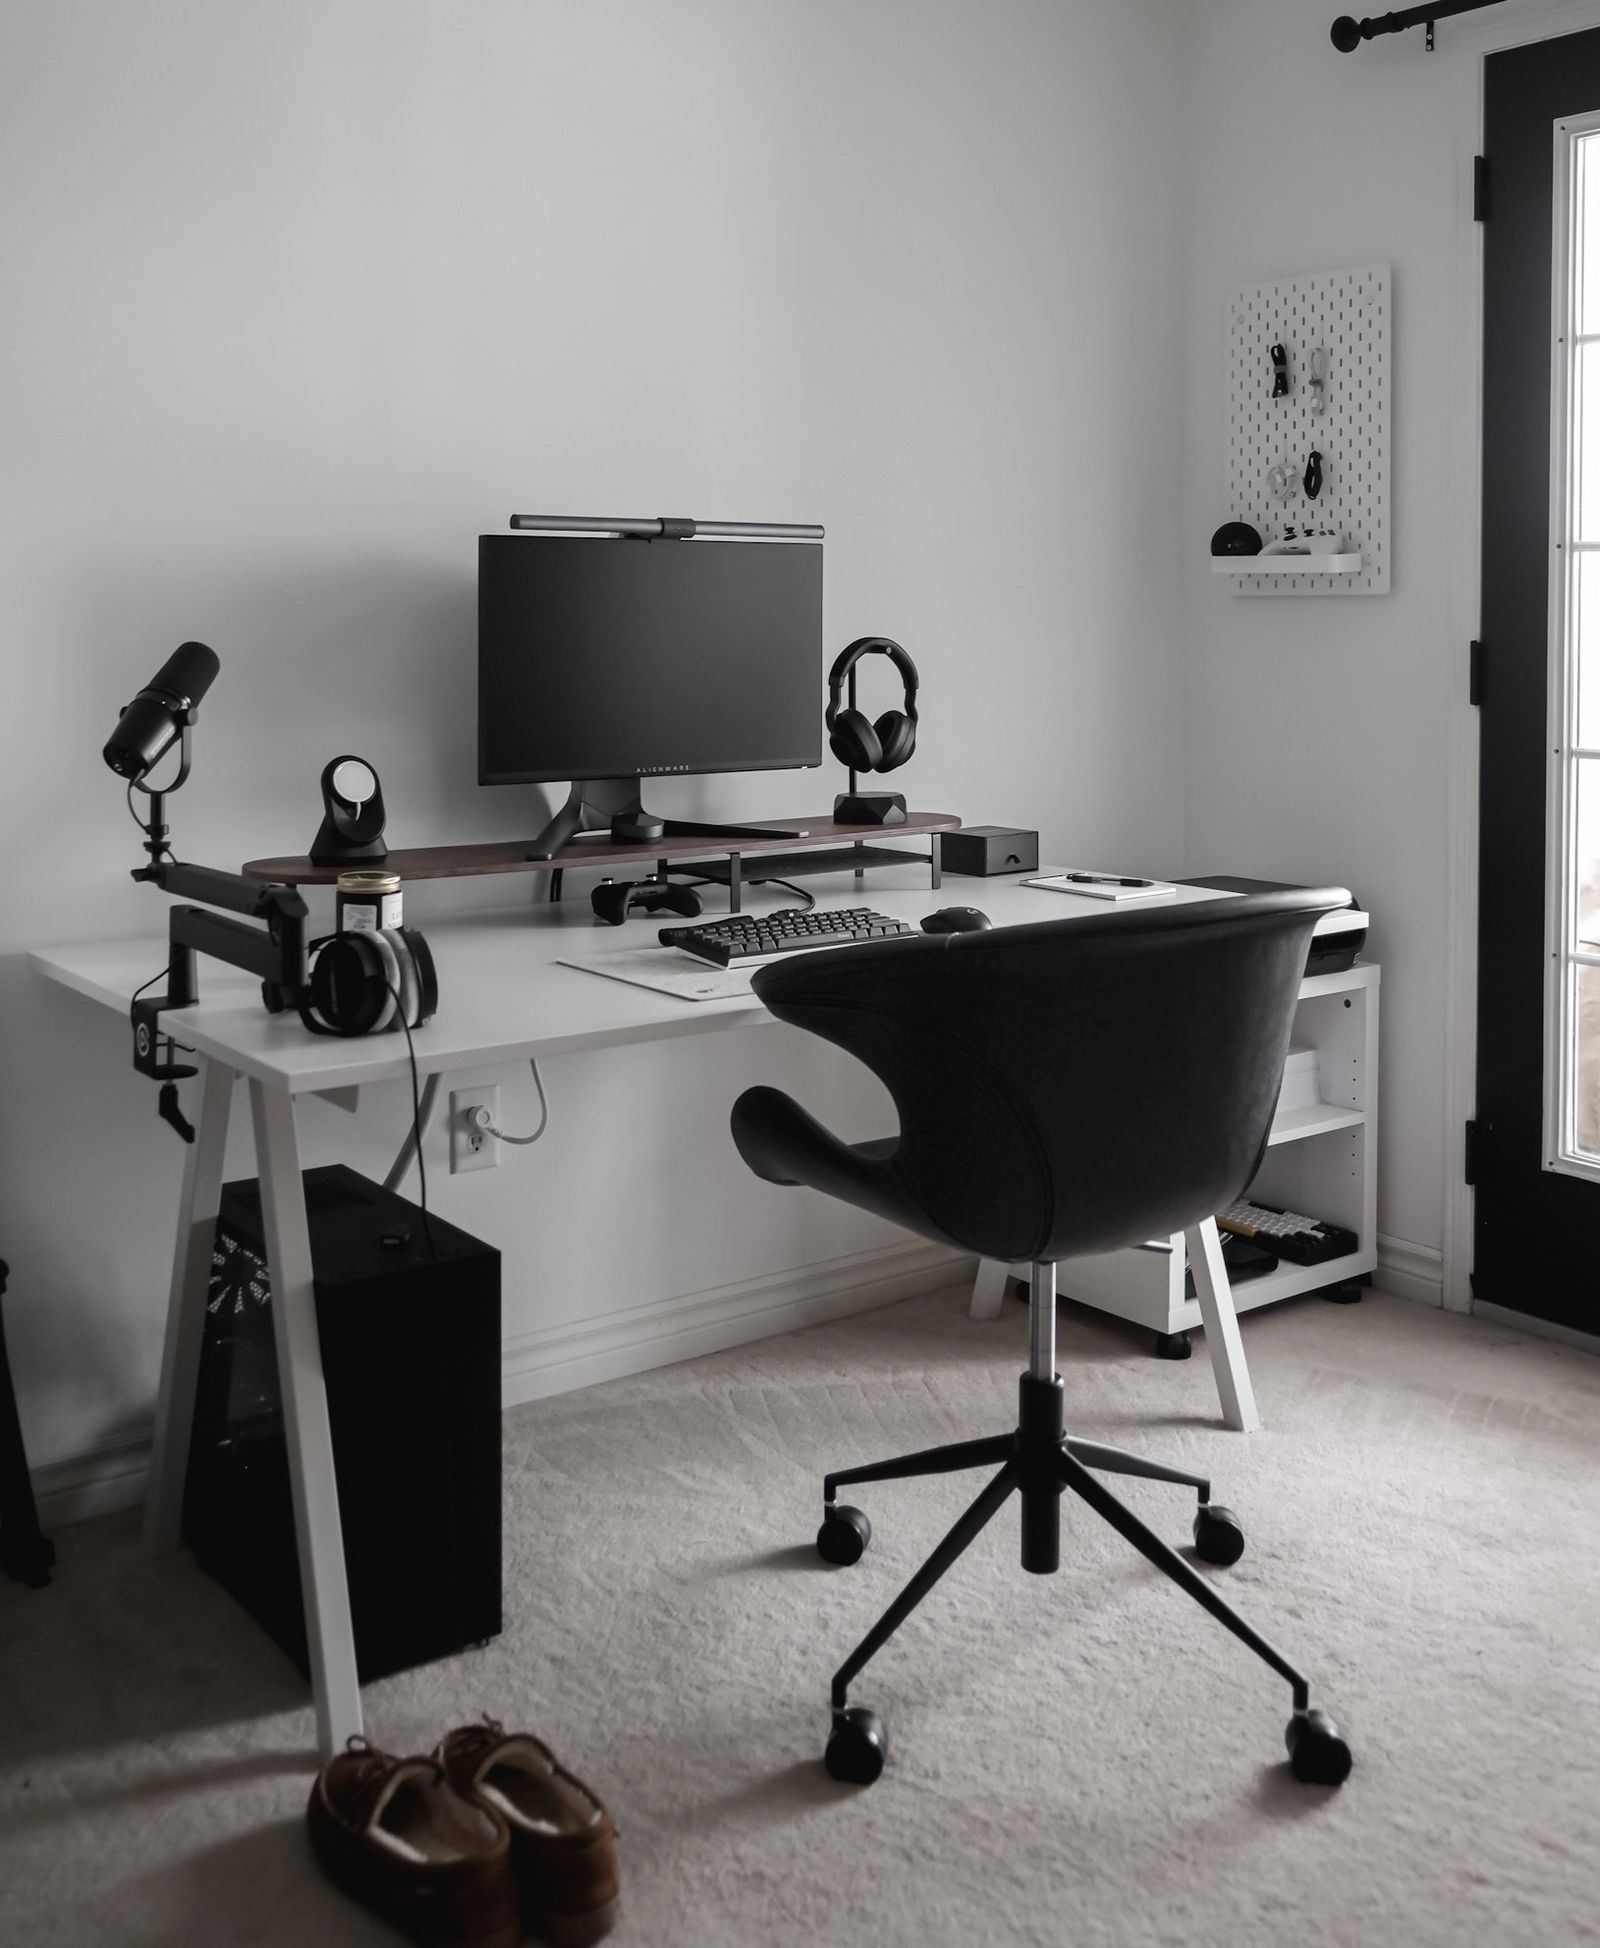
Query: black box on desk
{"points": [[980, 851], [411, 1355]]}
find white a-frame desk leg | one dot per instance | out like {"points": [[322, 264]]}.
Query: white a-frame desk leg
{"points": [[988, 1289], [318, 1535], [1212, 1289], [186, 1311]]}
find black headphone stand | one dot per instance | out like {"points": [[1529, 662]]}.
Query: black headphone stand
{"points": [[854, 807]]}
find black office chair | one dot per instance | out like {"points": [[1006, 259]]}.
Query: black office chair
{"points": [[1068, 1088]]}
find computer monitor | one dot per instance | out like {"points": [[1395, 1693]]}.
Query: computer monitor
{"points": [[605, 661]]}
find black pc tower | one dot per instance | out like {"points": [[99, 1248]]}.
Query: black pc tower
{"points": [[408, 1313]]}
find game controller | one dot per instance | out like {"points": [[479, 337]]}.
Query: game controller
{"points": [[614, 900]]}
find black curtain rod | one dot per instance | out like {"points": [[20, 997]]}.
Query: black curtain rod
{"points": [[1348, 34]]}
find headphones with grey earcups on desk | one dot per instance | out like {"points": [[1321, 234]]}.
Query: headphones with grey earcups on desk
{"points": [[364, 981]]}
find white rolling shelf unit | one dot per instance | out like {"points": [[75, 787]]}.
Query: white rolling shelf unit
{"points": [[1321, 1158]]}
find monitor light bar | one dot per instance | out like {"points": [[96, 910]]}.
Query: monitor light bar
{"points": [[666, 526]]}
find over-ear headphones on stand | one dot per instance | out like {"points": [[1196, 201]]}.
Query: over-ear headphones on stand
{"points": [[866, 746], [361, 982]]}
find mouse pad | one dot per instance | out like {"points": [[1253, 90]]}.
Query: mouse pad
{"points": [[666, 971]]}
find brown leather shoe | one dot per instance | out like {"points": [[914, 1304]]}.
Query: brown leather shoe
{"points": [[395, 1836], [563, 1845]]}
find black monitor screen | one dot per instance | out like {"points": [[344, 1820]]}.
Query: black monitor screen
{"points": [[621, 658]]}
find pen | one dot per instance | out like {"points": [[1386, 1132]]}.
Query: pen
{"points": [[1106, 879]]}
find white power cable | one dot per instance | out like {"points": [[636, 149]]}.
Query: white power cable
{"points": [[478, 1117]]}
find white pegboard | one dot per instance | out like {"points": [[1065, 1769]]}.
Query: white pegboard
{"points": [[1348, 314]]}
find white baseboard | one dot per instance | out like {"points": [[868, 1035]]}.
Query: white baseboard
{"points": [[562, 1357], [95, 1482], [1410, 1271], [1502, 1315], [534, 1365]]}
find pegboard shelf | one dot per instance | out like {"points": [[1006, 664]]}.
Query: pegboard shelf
{"points": [[1287, 565]]}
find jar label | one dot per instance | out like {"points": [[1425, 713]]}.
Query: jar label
{"points": [[367, 916]]}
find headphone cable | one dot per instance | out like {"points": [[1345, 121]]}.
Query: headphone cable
{"points": [[416, 1125], [408, 1149]]}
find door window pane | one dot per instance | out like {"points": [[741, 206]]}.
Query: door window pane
{"points": [[1586, 1062], [1586, 269], [1586, 438], [1585, 856], [1584, 643]]}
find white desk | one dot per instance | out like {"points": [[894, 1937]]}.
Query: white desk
{"points": [[503, 998]]}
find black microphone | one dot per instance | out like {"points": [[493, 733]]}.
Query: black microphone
{"points": [[151, 724]]}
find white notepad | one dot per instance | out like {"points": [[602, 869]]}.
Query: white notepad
{"points": [[668, 971], [1105, 886]]}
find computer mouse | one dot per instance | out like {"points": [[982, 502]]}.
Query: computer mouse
{"points": [[956, 919]]}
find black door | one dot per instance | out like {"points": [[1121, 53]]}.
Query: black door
{"points": [[1537, 1224]]}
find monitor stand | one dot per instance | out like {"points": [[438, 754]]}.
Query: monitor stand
{"points": [[613, 806]]}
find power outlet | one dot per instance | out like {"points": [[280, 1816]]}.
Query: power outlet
{"points": [[470, 1147]]}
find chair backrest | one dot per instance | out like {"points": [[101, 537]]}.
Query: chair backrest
{"points": [[1077, 1085]]}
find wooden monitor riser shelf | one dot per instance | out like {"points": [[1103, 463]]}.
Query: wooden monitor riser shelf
{"points": [[511, 855]]}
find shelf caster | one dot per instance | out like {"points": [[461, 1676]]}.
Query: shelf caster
{"points": [[1346, 1292], [1172, 1346]]}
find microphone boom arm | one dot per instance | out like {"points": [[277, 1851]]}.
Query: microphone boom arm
{"points": [[276, 953]]}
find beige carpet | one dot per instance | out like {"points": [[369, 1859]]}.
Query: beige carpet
{"points": [[1081, 1759]]}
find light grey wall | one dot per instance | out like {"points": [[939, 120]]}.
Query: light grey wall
{"points": [[302, 297], [1317, 745]]}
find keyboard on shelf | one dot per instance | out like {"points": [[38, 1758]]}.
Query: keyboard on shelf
{"points": [[1302, 1240], [760, 936]]}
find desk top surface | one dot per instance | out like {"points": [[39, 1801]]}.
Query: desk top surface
{"points": [[503, 995]]}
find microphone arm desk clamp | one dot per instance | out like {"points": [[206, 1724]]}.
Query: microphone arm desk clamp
{"points": [[276, 953]]}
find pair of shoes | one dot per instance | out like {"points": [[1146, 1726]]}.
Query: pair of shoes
{"points": [[487, 1839], [396, 1836]]}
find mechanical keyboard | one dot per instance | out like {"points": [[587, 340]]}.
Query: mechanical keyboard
{"points": [[1302, 1240], [761, 936]]}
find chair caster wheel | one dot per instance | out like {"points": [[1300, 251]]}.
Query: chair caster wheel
{"points": [[1172, 1346], [844, 1536], [1318, 1754], [1218, 1535], [857, 1747]]}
